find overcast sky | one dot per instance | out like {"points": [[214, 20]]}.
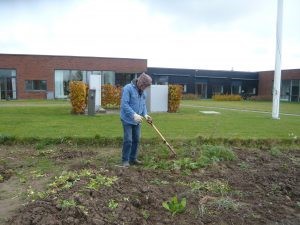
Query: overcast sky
{"points": [[197, 34]]}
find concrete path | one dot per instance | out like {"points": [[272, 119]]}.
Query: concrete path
{"points": [[240, 110]]}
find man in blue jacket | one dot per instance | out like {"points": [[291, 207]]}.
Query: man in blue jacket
{"points": [[133, 109]]}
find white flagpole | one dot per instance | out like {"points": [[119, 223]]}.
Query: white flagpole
{"points": [[277, 73]]}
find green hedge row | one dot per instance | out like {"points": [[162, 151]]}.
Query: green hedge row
{"points": [[117, 142]]}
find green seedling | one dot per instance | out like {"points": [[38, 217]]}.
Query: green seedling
{"points": [[112, 204], [157, 181], [86, 173], [68, 203], [145, 214], [275, 151], [36, 195], [65, 181], [174, 205], [216, 186], [243, 165], [1, 178], [96, 183]]}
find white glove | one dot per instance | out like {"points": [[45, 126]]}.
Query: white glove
{"points": [[148, 118], [137, 118]]}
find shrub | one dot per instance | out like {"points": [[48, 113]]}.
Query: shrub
{"points": [[190, 97], [227, 97], [78, 96], [111, 96], [261, 98], [174, 97]]}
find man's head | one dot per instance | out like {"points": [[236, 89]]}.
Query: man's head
{"points": [[144, 81]]}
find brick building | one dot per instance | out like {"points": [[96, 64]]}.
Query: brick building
{"points": [[42, 76], [290, 83], [45, 76]]}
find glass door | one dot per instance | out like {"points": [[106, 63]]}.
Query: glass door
{"points": [[6, 88], [8, 84], [201, 90]]}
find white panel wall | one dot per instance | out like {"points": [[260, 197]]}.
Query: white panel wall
{"points": [[157, 98]]}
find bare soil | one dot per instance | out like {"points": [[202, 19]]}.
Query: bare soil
{"points": [[262, 189]]}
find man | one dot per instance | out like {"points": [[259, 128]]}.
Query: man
{"points": [[133, 109]]}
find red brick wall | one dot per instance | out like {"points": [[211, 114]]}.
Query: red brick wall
{"points": [[41, 67], [265, 83]]}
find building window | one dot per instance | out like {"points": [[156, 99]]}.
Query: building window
{"points": [[35, 85], [161, 80], [217, 89], [124, 78], [184, 88], [64, 77], [108, 77], [8, 84]]}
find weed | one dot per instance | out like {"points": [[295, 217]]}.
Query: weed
{"points": [[1, 178], [36, 195], [40, 145], [86, 173], [217, 153], [68, 203], [243, 165], [65, 181], [216, 187], [159, 182], [275, 151], [227, 204], [184, 164], [112, 204], [174, 205], [210, 154], [145, 214], [96, 183]]}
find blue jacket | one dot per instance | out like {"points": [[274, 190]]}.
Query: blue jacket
{"points": [[132, 102]]}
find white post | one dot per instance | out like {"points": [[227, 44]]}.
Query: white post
{"points": [[95, 83], [277, 73]]}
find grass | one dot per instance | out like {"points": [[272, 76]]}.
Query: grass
{"points": [[52, 119]]}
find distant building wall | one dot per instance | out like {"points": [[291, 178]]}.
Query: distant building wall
{"points": [[266, 78]]}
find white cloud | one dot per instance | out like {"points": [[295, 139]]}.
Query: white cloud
{"points": [[215, 34]]}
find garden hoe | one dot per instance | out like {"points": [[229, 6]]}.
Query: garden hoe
{"points": [[162, 137]]}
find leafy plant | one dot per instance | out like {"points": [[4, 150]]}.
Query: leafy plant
{"points": [[68, 203], [65, 181], [174, 205], [112, 204], [275, 151], [216, 187], [96, 183], [145, 214], [185, 164]]}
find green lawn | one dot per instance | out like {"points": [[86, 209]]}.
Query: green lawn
{"points": [[42, 118]]}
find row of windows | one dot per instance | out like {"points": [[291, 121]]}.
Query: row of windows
{"points": [[35, 85]]}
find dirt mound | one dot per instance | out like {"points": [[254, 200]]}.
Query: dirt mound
{"points": [[5, 172], [257, 188]]}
